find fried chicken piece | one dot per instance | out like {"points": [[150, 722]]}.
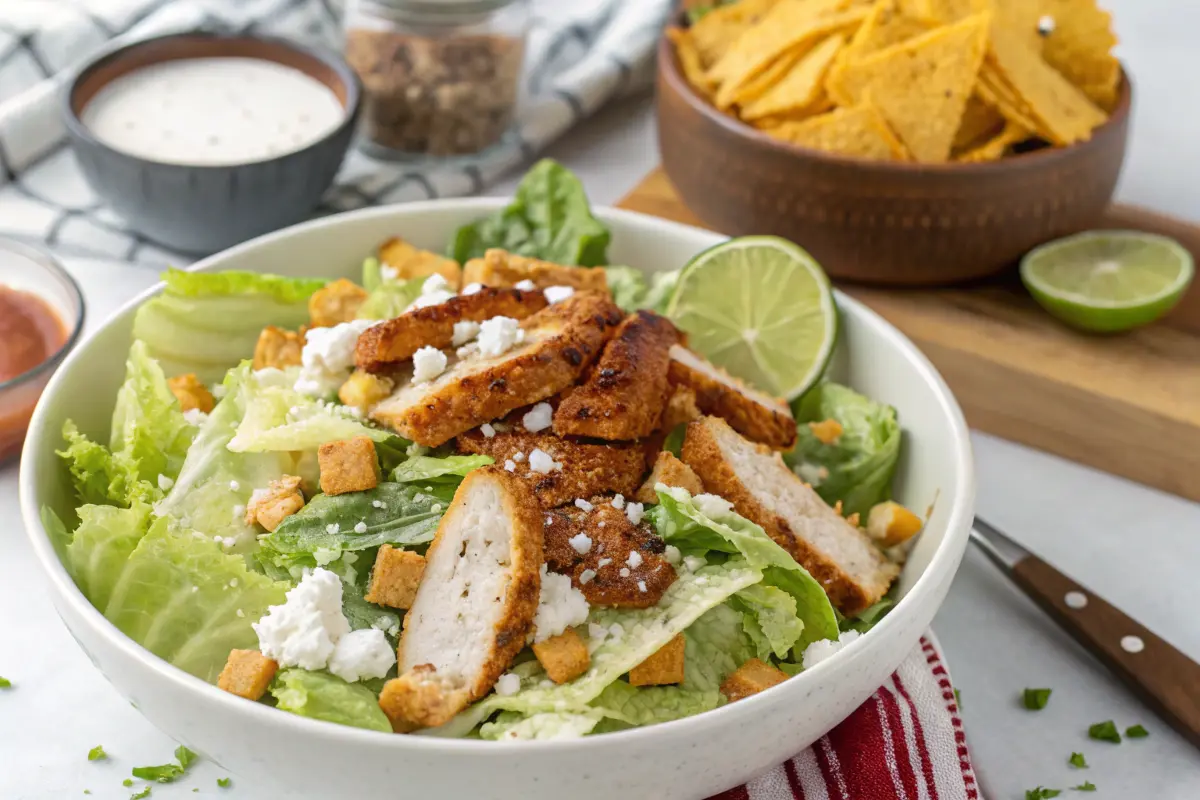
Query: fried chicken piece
{"points": [[476, 602], [609, 540], [412, 262], [502, 268], [624, 396], [681, 408], [669, 470], [752, 413], [559, 343], [852, 570]]}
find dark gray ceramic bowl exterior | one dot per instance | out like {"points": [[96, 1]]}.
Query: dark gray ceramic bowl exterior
{"points": [[203, 209]]}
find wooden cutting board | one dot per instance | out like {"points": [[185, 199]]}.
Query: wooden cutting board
{"points": [[1127, 404]]}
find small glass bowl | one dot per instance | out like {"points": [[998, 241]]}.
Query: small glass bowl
{"points": [[35, 271]]}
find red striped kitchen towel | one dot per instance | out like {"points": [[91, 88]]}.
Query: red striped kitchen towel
{"points": [[905, 743]]}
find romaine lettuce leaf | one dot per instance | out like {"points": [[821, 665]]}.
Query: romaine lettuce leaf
{"points": [[662, 286], [549, 218], [372, 274], [628, 706], [627, 286], [148, 424], [869, 617], [206, 322], [856, 469], [322, 696], [390, 299], [100, 476], [183, 599], [510, 726], [769, 619], [715, 645], [101, 546], [429, 468]]}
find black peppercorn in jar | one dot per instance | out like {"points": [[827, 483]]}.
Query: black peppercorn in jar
{"points": [[440, 77]]}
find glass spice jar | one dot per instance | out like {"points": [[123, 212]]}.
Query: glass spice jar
{"points": [[440, 77]]}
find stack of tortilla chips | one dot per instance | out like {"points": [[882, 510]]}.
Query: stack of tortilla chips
{"points": [[911, 80]]}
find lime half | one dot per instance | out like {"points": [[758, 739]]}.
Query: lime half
{"points": [[1108, 281], [760, 307]]}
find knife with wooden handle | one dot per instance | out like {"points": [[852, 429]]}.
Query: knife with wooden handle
{"points": [[1161, 676]]}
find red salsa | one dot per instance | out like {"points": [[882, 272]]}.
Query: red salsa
{"points": [[31, 332]]}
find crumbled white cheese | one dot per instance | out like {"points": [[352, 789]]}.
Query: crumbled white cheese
{"points": [[542, 462], [498, 335], [436, 508], [434, 291], [510, 465], [305, 629], [464, 331], [549, 520], [556, 294], [487, 430], [673, 555], [377, 503], [581, 542], [234, 486], [1046, 25], [587, 576], [641, 586], [165, 483], [583, 505], [618, 502], [194, 416], [467, 350], [526, 285], [597, 632], [634, 560], [538, 418], [624, 573], [560, 606], [388, 272], [333, 528], [328, 357], [508, 684], [693, 563], [604, 562], [472, 288], [634, 512], [518, 457], [428, 363], [362, 654], [360, 527], [822, 649], [615, 631], [712, 506]]}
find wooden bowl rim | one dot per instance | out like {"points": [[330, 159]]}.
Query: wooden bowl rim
{"points": [[668, 67]]}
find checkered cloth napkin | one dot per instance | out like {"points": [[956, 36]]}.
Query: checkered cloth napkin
{"points": [[905, 743], [580, 54]]}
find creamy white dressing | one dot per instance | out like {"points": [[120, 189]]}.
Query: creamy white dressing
{"points": [[212, 111]]}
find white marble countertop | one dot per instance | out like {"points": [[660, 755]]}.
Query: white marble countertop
{"points": [[1135, 546]]}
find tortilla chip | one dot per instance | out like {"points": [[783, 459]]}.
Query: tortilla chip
{"points": [[822, 104], [979, 123], [947, 11], [801, 87], [689, 60], [717, 30], [759, 85], [860, 132], [885, 26], [1080, 47], [995, 148], [1064, 113], [921, 86]]}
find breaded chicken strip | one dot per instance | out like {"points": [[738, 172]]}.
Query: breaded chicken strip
{"points": [[853, 571], [502, 268], [752, 413], [379, 347], [584, 468], [475, 605], [624, 396], [608, 540], [560, 342]]}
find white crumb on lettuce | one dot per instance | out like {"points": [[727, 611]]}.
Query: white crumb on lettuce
{"points": [[822, 649], [195, 416], [362, 654], [428, 363], [388, 272], [538, 418], [304, 631], [328, 357], [508, 684], [560, 606], [693, 563], [713, 506], [673, 555]]}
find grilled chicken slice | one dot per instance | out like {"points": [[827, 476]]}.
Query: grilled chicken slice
{"points": [[476, 603], [502, 268], [600, 564], [396, 340], [752, 413], [853, 571], [624, 396], [560, 342]]}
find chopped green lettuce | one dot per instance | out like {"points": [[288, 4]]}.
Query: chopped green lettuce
{"points": [[627, 286], [372, 274], [769, 619], [549, 218], [512, 726], [662, 286], [167, 773], [100, 476], [148, 426], [857, 468], [869, 617], [451, 469], [628, 706], [322, 696], [101, 546], [183, 599], [715, 645], [206, 322], [390, 299]]}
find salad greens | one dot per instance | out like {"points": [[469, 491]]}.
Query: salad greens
{"points": [[167, 773], [327, 697]]}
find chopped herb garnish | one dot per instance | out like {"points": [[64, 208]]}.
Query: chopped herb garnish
{"points": [[958, 699], [1036, 699], [145, 792], [167, 773], [1086, 786], [1105, 731], [184, 756], [5, 683], [87, 791], [224, 782], [1041, 793], [127, 782], [1077, 761], [1136, 732], [97, 753]]}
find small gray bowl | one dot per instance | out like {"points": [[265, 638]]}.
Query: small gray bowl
{"points": [[203, 209]]}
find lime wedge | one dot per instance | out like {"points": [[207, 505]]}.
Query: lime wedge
{"points": [[1108, 281], [760, 307]]}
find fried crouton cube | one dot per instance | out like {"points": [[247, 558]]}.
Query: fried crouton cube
{"points": [[669, 470], [247, 673], [348, 465], [278, 348], [396, 577], [663, 668], [269, 507], [336, 302], [410, 262], [751, 678], [564, 657], [827, 431], [191, 393], [890, 524], [363, 390]]}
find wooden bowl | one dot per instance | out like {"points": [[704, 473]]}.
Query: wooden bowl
{"points": [[880, 222]]}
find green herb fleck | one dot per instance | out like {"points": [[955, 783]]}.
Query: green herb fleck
{"points": [[167, 773], [958, 699], [145, 792], [87, 791], [97, 753], [1136, 732], [5, 683], [1105, 732], [1041, 793], [1086, 786], [1036, 699], [1077, 761], [127, 782], [224, 782], [184, 756]]}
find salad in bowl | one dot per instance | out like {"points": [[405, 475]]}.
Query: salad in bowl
{"points": [[507, 492]]}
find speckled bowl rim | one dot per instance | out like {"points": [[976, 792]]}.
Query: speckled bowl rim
{"points": [[340, 68], [668, 69]]}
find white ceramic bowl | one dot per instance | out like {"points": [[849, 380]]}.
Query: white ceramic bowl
{"points": [[690, 758]]}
